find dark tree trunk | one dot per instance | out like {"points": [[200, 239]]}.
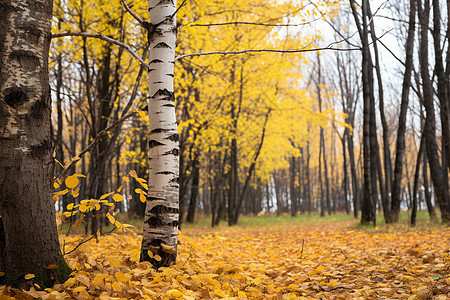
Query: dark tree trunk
{"points": [[98, 182], [416, 181], [437, 176], [322, 194], [194, 191], [443, 85], [307, 185], [369, 157], [385, 185], [30, 237], [344, 165], [292, 190], [430, 207], [400, 147]]}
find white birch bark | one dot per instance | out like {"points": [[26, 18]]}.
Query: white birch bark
{"points": [[162, 210]]}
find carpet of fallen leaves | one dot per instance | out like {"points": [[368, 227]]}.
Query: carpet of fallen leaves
{"points": [[311, 261]]}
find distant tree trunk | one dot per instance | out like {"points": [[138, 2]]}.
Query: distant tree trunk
{"points": [[443, 85], [30, 238], [322, 194], [400, 147], [430, 207], [385, 185], [301, 174], [307, 184], [292, 179], [278, 196], [98, 182], [194, 191], [322, 146], [162, 210], [349, 101], [344, 165], [369, 197], [268, 196], [416, 181], [355, 181], [437, 176]]}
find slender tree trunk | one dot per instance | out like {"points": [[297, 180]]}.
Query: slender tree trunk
{"points": [[307, 184], [443, 85], [440, 186], [430, 207], [162, 210], [416, 181], [322, 194], [355, 182], [344, 165], [292, 179], [194, 191], [369, 195], [385, 185], [30, 238], [400, 147]]}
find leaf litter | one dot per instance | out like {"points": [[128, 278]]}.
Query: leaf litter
{"points": [[309, 261]]}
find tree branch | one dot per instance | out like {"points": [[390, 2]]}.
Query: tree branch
{"points": [[105, 38], [136, 17], [265, 50], [251, 23], [179, 7]]}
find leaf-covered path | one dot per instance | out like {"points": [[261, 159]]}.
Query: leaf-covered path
{"points": [[309, 261]]}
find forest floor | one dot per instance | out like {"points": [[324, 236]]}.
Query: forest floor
{"points": [[304, 260]]}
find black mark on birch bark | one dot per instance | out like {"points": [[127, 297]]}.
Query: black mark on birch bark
{"points": [[174, 137], [174, 151], [153, 144], [15, 97], [161, 209], [27, 60], [159, 130], [165, 173], [162, 45]]}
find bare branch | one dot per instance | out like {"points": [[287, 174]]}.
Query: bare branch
{"points": [[179, 7], [136, 17], [251, 23], [265, 50], [105, 38]]}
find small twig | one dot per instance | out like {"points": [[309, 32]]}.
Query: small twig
{"points": [[343, 253], [105, 38], [179, 7], [136, 17], [264, 50], [87, 240], [301, 252], [398, 262], [189, 257], [252, 23]]}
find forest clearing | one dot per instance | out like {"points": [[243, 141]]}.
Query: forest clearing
{"points": [[205, 149], [300, 259]]}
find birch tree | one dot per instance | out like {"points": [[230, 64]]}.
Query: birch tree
{"points": [[29, 243], [160, 234]]}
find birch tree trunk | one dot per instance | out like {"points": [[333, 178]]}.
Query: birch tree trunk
{"points": [[26, 165], [160, 234]]}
